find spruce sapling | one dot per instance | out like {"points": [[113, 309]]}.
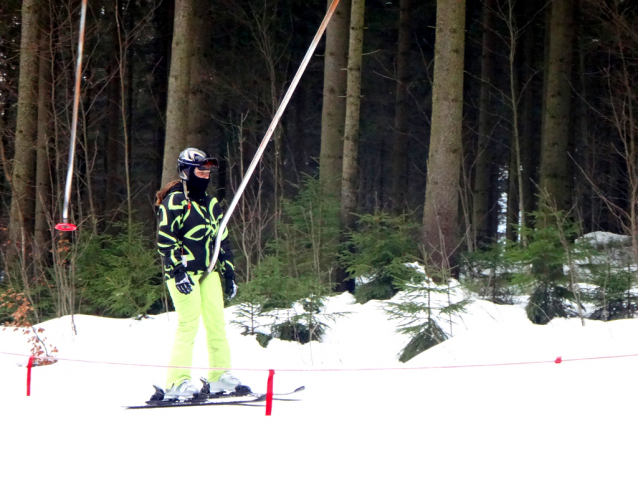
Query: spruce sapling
{"points": [[541, 265], [424, 307]]}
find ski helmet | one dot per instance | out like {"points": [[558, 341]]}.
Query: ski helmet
{"points": [[192, 157]]}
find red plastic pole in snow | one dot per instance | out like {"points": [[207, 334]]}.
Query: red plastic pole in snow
{"points": [[65, 225], [271, 377], [269, 132], [29, 366]]}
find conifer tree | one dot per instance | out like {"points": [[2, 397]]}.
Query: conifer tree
{"points": [[555, 178], [333, 114], [177, 110], [484, 163], [353, 106], [399, 156], [23, 174], [43, 165], [440, 218]]}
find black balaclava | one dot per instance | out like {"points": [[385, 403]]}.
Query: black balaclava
{"points": [[196, 185]]}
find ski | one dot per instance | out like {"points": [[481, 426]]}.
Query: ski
{"points": [[300, 388], [241, 396], [215, 401]]}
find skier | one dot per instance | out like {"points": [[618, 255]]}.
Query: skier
{"points": [[189, 222]]}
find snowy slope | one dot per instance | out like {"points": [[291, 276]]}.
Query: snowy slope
{"points": [[575, 419]]}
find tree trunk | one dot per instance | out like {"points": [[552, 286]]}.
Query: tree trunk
{"points": [[43, 165], [23, 172], [399, 158], [198, 110], [5, 190], [555, 178], [353, 106], [225, 172], [299, 139], [178, 89], [350, 174], [440, 216], [513, 203], [113, 159], [529, 120], [129, 37], [483, 170], [162, 21], [584, 192], [333, 112], [126, 23], [113, 165], [125, 38]]}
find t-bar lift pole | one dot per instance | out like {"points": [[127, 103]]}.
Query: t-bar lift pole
{"points": [[65, 225], [269, 132]]}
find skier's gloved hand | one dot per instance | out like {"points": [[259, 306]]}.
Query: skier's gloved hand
{"points": [[230, 288], [183, 282]]}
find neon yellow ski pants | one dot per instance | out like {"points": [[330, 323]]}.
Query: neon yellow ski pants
{"points": [[206, 300]]}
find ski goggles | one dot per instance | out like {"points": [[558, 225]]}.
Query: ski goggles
{"points": [[208, 164]]}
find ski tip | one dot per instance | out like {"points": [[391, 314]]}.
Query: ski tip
{"points": [[300, 388]]}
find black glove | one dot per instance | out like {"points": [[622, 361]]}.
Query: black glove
{"points": [[183, 282], [230, 287]]}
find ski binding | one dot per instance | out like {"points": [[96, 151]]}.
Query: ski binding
{"points": [[241, 395]]}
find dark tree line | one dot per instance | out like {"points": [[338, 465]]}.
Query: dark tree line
{"points": [[465, 114]]}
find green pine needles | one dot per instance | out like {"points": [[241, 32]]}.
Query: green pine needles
{"points": [[284, 298], [378, 253], [548, 265], [118, 273], [424, 308], [612, 275], [488, 273]]}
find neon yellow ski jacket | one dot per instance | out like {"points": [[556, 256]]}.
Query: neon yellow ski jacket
{"points": [[187, 233]]}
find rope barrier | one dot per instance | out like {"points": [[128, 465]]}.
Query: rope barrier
{"points": [[271, 372], [557, 360]]}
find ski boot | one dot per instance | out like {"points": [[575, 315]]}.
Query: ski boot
{"points": [[185, 390], [226, 384]]}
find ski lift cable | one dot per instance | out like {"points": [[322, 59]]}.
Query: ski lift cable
{"points": [[65, 225], [269, 132]]}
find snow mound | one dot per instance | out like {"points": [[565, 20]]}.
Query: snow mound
{"points": [[366, 414], [603, 238]]}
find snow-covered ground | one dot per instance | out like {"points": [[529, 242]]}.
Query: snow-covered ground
{"points": [[577, 419]]}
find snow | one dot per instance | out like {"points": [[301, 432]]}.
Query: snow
{"points": [[576, 419], [604, 238]]}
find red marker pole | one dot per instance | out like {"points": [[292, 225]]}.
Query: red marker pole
{"points": [[271, 375], [29, 366]]}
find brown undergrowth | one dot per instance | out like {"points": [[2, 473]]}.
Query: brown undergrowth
{"points": [[19, 308]]}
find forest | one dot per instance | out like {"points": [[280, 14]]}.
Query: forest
{"points": [[479, 138]]}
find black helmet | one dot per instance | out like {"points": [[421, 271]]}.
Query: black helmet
{"points": [[192, 157]]}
